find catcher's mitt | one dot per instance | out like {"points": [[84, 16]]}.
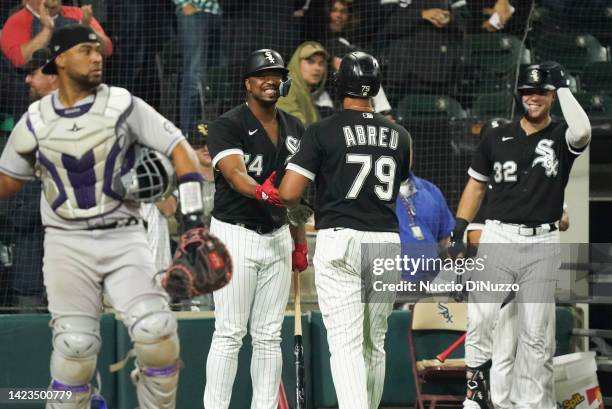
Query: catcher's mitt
{"points": [[201, 265]]}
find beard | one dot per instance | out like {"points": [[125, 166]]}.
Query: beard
{"points": [[87, 81]]}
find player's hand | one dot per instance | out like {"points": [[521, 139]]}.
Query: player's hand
{"points": [[45, 19], [268, 193], [457, 249], [87, 14], [299, 257], [558, 76]]}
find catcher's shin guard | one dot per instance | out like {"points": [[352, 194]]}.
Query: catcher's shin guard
{"points": [[76, 396], [153, 329], [76, 342], [156, 387], [478, 385]]}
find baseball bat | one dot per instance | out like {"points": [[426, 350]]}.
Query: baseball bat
{"points": [[442, 356], [298, 351]]}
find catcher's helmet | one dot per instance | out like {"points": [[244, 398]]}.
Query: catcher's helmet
{"points": [[268, 59], [537, 76], [359, 75], [151, 178]]}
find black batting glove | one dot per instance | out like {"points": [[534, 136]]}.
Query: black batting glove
{"points": [[457, 246]]}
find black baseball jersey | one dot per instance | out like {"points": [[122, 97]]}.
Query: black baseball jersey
{"points": [[358, 160], [526, 175], [238, 131]]}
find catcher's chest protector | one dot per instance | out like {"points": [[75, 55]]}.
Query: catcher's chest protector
{"points": [[79, 158]]}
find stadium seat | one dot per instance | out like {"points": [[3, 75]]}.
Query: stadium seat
{"points": [[490, 65], [497, 105], [597, 77], [594, 17], [573, 51], [425, 107], [431, 319], [596, 105], [6, 123], [220, 92], [495, 53]]}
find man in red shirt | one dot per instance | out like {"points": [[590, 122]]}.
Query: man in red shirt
{"points": [[30, 28]]}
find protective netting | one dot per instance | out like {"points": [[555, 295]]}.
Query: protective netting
{"points": [[448, 66]]}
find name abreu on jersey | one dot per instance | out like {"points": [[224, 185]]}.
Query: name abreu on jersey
{"points": [[370, 135]]}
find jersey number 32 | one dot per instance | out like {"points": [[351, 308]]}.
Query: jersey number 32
{"points": [[384, 170]]}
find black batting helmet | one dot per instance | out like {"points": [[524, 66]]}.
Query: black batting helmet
{"points": [[538, 76], [359, 75], [264, 59]]}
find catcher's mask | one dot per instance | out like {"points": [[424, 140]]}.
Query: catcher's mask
{"points": [[151, 178]]}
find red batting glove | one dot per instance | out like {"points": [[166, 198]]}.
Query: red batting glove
{"points": [[299, 257], [266, 192]]}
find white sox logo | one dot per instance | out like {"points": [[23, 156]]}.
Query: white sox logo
{"points": [[535, 75], [546, 158], [293, 145], [270, 57], [445, 313]]}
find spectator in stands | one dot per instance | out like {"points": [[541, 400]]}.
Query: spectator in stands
{"points": [[197, 138], [30, 28], [24, 208], [40, 84], [199, 32], [498, 15], [421, 48], [308, 70], [338, 46]]}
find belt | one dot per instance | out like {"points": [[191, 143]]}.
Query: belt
{"points": [[528, 230], [257, 228], [119, 223]]}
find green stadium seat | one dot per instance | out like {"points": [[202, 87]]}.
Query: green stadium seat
{"points": [[425, 107], [573, 51], [597, 77], [495, 53], [596, 105], [493, 105], [220, 84], [7, 122]]}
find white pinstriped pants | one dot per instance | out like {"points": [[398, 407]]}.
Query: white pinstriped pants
{"points": [[532, 262], [355, 330], [505, 343], [256, 296]]}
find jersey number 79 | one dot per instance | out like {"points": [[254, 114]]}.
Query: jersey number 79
{"points": [[384, 170]]}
